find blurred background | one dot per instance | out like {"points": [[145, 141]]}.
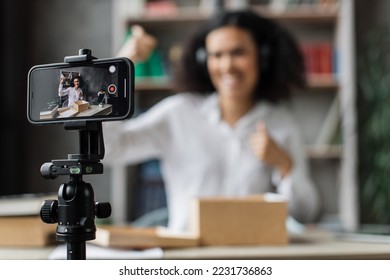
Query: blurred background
{"points": [[45, 31]]}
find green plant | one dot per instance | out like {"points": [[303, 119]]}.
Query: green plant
{"points": [[374, 126]]}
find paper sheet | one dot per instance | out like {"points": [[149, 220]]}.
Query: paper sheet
{"points": [[100, 253]]}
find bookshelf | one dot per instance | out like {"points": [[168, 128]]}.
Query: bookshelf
{"points": [[333, 164]]}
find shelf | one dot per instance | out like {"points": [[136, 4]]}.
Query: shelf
{"points": [[305, 14], [316, 82], [324, 152], [322, 81], [153, 84], [181, 15]]}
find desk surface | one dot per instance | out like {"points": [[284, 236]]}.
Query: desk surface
{"points": [[93, 110], [322, 251], [307, 247]]}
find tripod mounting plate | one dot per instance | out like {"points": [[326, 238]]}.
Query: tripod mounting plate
{"points": [[70, 167]]}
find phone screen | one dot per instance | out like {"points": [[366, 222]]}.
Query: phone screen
{"points": [[94, 90]]}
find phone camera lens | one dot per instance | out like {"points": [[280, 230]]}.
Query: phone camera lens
{"points": [[112, 69], [112, 89]]}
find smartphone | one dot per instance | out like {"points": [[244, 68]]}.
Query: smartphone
{"points": [[95, 90]]}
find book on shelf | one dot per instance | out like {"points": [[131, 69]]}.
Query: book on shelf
{"points": [[325, 57], [319, 58], [160, 8], [142, 237], [283, 5]]}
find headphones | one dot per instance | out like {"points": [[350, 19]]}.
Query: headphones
{"points": [[265, 51], [201, 56]]}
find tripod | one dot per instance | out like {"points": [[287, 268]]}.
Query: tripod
{"points": [[75, 209]]}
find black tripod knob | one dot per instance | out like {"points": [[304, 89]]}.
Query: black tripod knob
{"points": [[49, 211], [47, 171], [102, 210]]}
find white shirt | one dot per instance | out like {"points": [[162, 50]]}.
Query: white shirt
{"points": [[73, 94], [201, 155]]}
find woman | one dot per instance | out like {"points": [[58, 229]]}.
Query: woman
{"points": [[74, 92], [227, 134]]}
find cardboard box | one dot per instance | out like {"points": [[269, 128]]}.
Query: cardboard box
{"points": [[251, 220], [81, 105]]}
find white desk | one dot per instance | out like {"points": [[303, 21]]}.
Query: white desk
{"points": [[25, 253], [321, 251], [320, 247]]}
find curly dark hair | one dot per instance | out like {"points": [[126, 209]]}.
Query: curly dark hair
{"points": [[81, 82], [281, 62]]}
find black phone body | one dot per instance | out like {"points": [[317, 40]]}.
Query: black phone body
{"points": [[95, 90]]}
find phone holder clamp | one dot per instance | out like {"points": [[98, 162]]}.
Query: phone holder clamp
{"points": [[84, 55]]}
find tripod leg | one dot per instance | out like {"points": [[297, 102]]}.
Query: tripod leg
{"points": [[76, 250]]}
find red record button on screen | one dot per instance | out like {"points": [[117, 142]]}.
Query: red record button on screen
{"points": [[112, 89]]}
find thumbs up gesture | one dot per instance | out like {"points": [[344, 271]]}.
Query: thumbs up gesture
{"points": [[139, 46], [268, 151]]}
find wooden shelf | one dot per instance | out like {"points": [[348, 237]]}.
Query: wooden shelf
{"points": [[305, 14], [324, 152], [181, 15], [322, 81], [153, 84]]}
